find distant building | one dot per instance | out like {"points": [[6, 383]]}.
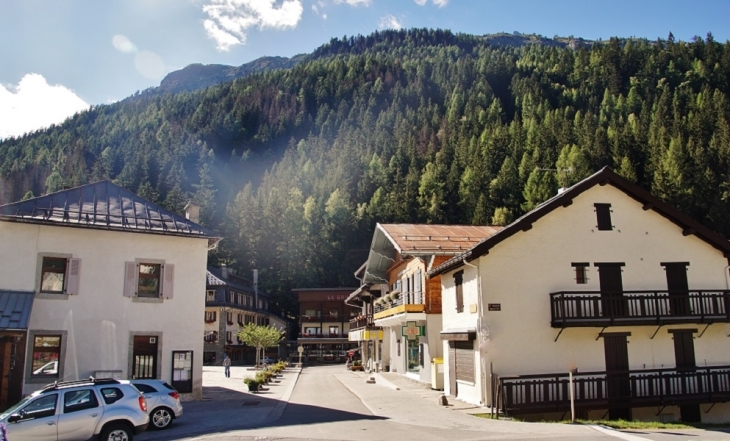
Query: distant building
{"points": [[232, 302], [96, 281], [324, 322]]}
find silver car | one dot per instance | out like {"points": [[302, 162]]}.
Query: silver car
{"points": [[163, 402], [104, 409]]}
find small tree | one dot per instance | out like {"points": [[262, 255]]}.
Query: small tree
{"points": [[260, 337]]}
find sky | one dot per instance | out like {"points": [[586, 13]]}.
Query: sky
{"points": [[58, 57]]}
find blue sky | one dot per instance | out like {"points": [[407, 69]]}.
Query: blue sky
{"points": [[60, 56]]}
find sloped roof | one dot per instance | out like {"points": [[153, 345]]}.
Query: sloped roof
{"points": [[15, 307], [215, 278], [102, 205], [605, 176], [419, 240]]}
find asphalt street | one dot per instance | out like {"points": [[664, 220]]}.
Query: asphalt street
{"points": [[331, 403]]}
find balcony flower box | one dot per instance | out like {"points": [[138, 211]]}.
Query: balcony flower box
{"points": [[209, 321], [230, 323]]}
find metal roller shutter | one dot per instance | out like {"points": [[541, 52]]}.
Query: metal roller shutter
{"points": [[465, 361]]}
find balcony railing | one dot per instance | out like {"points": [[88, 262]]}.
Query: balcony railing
{"points": [[311, 318], [362, 321], [325, 335], [603, 390], [593, 308]]}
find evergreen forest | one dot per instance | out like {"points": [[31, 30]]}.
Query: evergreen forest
{"points": [[294, 167]]}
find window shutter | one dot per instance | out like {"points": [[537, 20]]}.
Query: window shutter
{"points": [[167, 285], [419, 288], [74, 271], [130, 279]]}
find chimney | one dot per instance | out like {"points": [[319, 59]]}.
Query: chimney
{"points": [[224, 271], [192, 212]]}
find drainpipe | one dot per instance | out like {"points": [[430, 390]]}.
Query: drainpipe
{"points": [[480, 318]]}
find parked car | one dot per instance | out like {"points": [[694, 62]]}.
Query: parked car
{"points": [[104, 409], [268, 360], [163, 402]]}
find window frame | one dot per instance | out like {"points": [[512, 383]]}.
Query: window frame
{"points": [[133, 275], [459, 290], [45, 379], [581, 272], [147, 276], [68, 283]]}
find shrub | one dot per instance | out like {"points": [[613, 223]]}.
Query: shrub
{"points": [[252, 383]]}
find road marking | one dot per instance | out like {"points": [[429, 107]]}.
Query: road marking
{"points": [[617, 434]]}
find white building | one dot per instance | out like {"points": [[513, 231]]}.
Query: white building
{"points": [[116, 283], [604, 280]]}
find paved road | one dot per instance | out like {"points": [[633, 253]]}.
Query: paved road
{"points": [[330, 403]]}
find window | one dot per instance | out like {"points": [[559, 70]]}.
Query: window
{"points": [[229, 318], [334, 331], [76, 400], [229, 337], [581, 272], [112, 394], [46, 354], [603, 217], [210, 295], [211, 337], [458, 279], [58, 275], [145, 279], [209, 316], [148, 284], [311, 331], [43, 407]]}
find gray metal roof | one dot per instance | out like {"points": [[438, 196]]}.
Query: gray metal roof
{"points": [[102, 205], [15, 309]]}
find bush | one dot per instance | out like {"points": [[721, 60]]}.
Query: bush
{"points": [[253, 384]]}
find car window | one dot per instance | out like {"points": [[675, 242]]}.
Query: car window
{"points": [[44, 406], [145, 388], [168, 386], [80, 399], [111, 394]]}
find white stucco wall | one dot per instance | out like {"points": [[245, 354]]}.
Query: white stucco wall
{"points": [[99, 321], [520, 272]]}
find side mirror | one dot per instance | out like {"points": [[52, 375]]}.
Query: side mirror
{"points": [[14, 418]]}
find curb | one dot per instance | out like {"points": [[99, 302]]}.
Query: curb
{"points": [[278, 410], [382, 380]]}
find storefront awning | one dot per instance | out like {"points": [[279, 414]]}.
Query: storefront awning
{"points": [[15, 307], [459, 334]]}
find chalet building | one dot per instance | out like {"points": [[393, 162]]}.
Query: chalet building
{"points": [[96, 281], [324, 322], [603, 283], [232, 302], [400, 320]]}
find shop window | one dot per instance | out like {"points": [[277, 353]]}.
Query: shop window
{"points": [[46, 356]]}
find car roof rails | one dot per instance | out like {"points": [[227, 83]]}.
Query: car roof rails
{"points": [[64, 384]]}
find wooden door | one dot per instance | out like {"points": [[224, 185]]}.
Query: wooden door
{"points": [[612, 290], [6, 348], [618, 388], [684, 355], [144, 364], [678, 288]]}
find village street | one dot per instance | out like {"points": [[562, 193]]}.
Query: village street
{"points": [[330, 403]]}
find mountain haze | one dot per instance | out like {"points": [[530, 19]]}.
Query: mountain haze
{"points": [[295, 165]]}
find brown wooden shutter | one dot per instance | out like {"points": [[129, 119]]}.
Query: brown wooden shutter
{"points": [[603, 217], [130, 279], [168, 273], [465, 360], [452, 368], [74, 272]]}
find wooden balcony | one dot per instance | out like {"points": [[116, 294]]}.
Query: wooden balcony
{"points": [[362, 321], [602, 390], [636, 308]]}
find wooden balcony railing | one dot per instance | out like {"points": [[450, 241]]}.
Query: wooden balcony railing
{"points": [[362, 321], [311, 318], [593, 308], [603, 390]]}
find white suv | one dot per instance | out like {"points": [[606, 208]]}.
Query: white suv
{"points": [[108, 409]]}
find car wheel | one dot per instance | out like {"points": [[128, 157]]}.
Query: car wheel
{"points": [[161, 418], [117, 432]]}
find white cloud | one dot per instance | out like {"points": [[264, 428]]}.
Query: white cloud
{"points": [[390, 22], [123, 44], [354, 2], [34, 104], [439, 3], [229, 20]]}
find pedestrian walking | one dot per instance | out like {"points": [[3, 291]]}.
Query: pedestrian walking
{"points": [[227, 365]]}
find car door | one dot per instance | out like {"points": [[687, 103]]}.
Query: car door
{"points": [[80, 414], [38, 420]]}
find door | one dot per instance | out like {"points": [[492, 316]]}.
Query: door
{"points": [[678, 288], [612, 290], [452, 369], [618, 388], [6, 351], [144, 362], [80, 414], [38, 420], [684, 355]]}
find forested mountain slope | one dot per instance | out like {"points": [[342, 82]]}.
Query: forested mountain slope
{"points": [[295, 166]]}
